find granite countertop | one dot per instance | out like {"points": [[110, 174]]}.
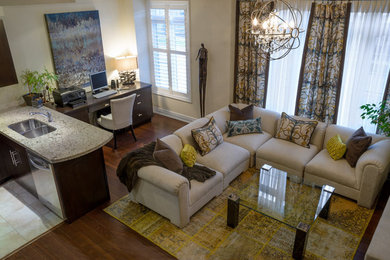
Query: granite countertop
{"points": [[71, 139]]}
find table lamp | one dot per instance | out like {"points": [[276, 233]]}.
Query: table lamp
{"points": [[126, 66]]}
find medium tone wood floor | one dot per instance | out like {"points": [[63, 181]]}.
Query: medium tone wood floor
{"points": [[97, 235]]}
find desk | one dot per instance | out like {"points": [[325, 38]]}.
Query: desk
{"points": [[142, 112]]}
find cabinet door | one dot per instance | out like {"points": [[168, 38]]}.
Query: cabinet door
{"points": [[14, 157], [5, 174], [143, 109]]}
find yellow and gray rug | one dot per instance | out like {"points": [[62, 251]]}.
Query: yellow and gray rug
{"points": [[256, 237]]}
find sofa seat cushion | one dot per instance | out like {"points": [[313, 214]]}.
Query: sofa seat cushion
{"points": [[250, 142], [338, 171], [224, 158], [200, 189], [286, 153]]}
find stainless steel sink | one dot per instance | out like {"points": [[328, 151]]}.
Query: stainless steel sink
{"points": [[32, 128]]}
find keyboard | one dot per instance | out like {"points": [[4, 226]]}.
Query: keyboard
{"points": [[105, 93]]}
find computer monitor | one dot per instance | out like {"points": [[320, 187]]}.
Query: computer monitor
{"points": [[98, 81]]}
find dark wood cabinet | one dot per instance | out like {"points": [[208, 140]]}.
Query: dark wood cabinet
{"points": [[143, 108], [142, 111], [79, 113], [14, 160], [81, 183]]}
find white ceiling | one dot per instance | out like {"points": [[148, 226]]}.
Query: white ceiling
{"points": [[32, 2]]}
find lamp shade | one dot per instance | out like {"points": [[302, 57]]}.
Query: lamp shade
{"points": [[126, 63]]}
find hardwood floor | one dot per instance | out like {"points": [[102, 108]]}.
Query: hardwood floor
{"points": [[97, 235]]}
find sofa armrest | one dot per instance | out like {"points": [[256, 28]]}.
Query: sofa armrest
{"points": [[372, 169], [163, 178]]}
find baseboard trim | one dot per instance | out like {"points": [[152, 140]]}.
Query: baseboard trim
{"points": [[174, 115]]}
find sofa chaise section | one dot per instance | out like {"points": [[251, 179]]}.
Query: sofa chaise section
{"points": [[361, 183], [229, 159], [169, 194]]}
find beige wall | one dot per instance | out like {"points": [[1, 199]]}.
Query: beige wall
{"points": [[28, 38], [211, 23]]}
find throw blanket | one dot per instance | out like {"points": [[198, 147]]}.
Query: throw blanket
{"points": [[133, 161]]}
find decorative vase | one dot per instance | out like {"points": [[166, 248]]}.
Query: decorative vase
{"points": [[33, 99]]}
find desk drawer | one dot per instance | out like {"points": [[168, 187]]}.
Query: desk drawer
{"points": [[143, 99], [99, 106], [143, 108]]}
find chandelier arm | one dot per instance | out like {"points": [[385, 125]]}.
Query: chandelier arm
{"points": [[272, 34]]}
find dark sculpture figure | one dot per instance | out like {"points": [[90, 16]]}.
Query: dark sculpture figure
{"points": [[202, 56]]}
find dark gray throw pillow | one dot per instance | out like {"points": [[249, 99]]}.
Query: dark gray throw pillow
{"points": [[237, 114], [165, 155], [357, 144]]}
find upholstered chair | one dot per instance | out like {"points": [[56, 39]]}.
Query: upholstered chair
{"points": [[121, 116]]}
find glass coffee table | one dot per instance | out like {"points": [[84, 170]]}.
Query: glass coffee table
{"points": [[286, 199]]}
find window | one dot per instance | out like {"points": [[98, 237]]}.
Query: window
{"points": [[169, 46], [283, 74], [367, 63]]}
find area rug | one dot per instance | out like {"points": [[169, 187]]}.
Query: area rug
{"points": [[256, 237]]}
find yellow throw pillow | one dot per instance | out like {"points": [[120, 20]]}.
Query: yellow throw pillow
{"points": [[336, 148], [188, 155]]}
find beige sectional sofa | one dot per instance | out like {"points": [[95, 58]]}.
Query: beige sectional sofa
{"points": [[169, 194], [379, 247]]}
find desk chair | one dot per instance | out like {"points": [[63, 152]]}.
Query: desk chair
{"points": [[121, 116]]}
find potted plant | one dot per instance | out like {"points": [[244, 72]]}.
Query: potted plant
{"points": [[37, 83], [379, 114]]}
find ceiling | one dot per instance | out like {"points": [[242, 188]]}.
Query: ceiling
{"points": [[32, 2]]}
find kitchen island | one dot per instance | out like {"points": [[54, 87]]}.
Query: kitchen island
{"points": [[63, 167]]}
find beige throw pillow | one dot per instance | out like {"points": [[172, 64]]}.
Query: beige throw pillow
{"points": [[286, 127], [207, 137], [296, 131]]}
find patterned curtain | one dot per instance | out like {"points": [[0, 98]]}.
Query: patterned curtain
{"points": [[251, 71], [323, 60]]}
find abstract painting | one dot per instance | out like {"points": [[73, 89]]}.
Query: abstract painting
{"points": [[76, 45]]}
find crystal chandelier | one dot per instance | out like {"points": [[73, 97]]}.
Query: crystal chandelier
{"points": [[275, 35]]}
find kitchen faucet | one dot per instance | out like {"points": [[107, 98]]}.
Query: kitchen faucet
{"points": [[44, 113]]}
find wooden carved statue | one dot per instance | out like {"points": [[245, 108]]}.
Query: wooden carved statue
{"points": [[202, 56]]}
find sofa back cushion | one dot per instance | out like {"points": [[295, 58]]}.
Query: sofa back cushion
{"points": [[221, 116], [317, 137], [174, 142], [269, 118], [185, 132], [345, 133]]}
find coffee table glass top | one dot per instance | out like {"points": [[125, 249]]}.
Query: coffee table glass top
{"points": [[284, 198]]}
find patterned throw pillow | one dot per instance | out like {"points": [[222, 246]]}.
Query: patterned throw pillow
{"points": [[302, 132], [207, 137], [336, 148], [188, 155], [244, 127], [296, 131], [286, 127]]}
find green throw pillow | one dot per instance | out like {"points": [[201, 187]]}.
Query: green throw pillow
{"points": [[336, 148], [244, 127], [188, 155]]}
